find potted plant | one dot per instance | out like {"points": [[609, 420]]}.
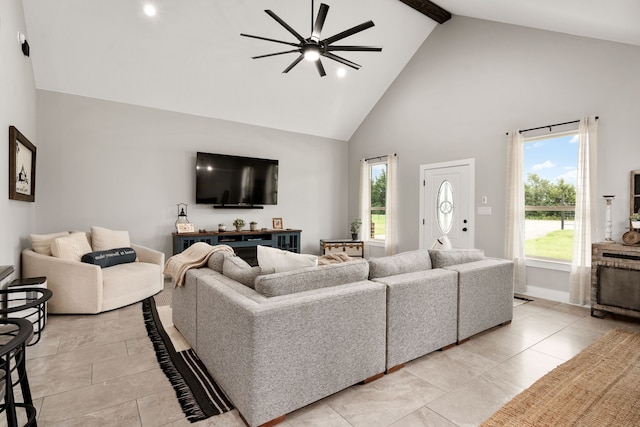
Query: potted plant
{"points": [[355, 227], [222, 227], [238, 223], [635, 220], [253, 226]]}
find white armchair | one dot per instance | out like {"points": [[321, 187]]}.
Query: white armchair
{"points": [[79, 287]]}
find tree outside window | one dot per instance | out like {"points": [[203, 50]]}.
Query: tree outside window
{"points": [[378, 185]]}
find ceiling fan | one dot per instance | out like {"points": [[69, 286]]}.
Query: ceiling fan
{"points": [[313, 48]]}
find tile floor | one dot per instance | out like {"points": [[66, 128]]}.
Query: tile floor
{"points": [[101, 371]]}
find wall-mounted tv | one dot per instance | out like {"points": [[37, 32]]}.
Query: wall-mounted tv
{"points": [[235, 181]]}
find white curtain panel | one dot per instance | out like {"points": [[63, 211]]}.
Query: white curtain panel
{"points": [[515, 209], [584, 228], [391, 232], [365, 203]]}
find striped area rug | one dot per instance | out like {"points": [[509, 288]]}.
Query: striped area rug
{"points": [[199, 395]]}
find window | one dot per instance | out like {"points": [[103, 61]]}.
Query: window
{"points": [[550, 167], [378, 199]]}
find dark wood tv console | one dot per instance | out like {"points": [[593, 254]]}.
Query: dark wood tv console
{"points": [[244, 243]]}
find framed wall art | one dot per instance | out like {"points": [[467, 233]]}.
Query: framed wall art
{"points": [[22, 167], [276, 223]]}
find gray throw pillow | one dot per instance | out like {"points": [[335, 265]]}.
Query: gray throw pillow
{"points": [[216, 260], [237, 269]]}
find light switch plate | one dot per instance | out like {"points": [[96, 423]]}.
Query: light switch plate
{"points": [[484, 210]]}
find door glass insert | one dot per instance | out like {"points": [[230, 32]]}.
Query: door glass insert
{"points": [[444, 207]]}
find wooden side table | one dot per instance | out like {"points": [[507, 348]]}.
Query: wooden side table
{"points": [[353, 248]]}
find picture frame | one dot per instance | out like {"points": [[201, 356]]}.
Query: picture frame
{"points": [[276, 223], [22, 167], [185, 228]]}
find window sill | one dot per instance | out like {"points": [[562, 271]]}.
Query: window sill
{"points": [[549, 265]]}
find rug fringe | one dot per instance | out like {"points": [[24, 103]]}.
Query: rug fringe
{"points": [[185, 396]]}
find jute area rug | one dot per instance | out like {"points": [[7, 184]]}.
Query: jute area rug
{"points": [[598, 387]]}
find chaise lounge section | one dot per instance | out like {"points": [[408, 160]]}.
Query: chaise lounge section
{"points": [[273, 355]]}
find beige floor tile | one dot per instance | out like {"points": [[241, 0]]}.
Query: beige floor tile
{"points": [[68, 360], [123, 415], [139, 345], [315, 415], [105, 370], [86, 400], [476, 401], [385, 400], [451, 368], [423, 417], [563, 345], [56, 381], [499, 344], [523, 369], [160, 409]]}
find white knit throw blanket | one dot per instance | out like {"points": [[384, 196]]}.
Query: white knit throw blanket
{"points": [[194, 256]]}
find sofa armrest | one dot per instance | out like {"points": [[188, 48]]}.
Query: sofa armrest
{"points": [[265, 353], [76, 286], [485, 295], [148, 255]]}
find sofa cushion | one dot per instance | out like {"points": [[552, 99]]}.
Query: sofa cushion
{"points": [[216, 260], [281, 261], [310, 278], [237, 269], [71, 247], [405, 262], [440, 259], [110, 258], [103, 239], [41, 243]]}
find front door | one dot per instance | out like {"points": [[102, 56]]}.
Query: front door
{"points": [[447, 203]]}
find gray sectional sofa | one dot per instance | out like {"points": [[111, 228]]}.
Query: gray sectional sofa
{"points": [[277, 342]]}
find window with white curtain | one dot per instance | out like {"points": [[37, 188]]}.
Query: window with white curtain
{"points": [[377, 214], [549, 174]]}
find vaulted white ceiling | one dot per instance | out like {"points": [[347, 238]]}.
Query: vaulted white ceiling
{"points": [[191, 58]]}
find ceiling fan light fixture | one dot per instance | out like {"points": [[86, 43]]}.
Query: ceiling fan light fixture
{"points": [[312, 52]]}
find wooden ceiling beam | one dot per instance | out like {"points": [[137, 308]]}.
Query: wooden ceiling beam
{"points": [[429, 9]]}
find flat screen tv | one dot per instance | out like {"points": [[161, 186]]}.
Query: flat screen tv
{"points": [[223, 180]]}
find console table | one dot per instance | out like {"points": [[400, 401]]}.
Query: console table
{"points": [[353, 248], [244, 243], [615, 279]]}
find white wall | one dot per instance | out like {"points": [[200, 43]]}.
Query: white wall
{"points": [[474, 80], [126, 167], [17, 108]]}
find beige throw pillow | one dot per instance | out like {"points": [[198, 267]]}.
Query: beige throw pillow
{"points": [[103, 239], [281, 261], [71, 247], [41, 243]]}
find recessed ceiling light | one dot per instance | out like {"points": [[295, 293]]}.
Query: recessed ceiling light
{"points": [[341, 72], [149, 10]]}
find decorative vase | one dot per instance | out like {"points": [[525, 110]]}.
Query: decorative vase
{"points": [[354, 236], [253, 226], [222, 228], [238, 228]]}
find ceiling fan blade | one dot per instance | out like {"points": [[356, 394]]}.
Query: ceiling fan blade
{"points": [[285, 25], [322, 15], [349, 32], [342, 60], [293, 64], [320, 68], [354, 48], [269, 40], [274, 54]]}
